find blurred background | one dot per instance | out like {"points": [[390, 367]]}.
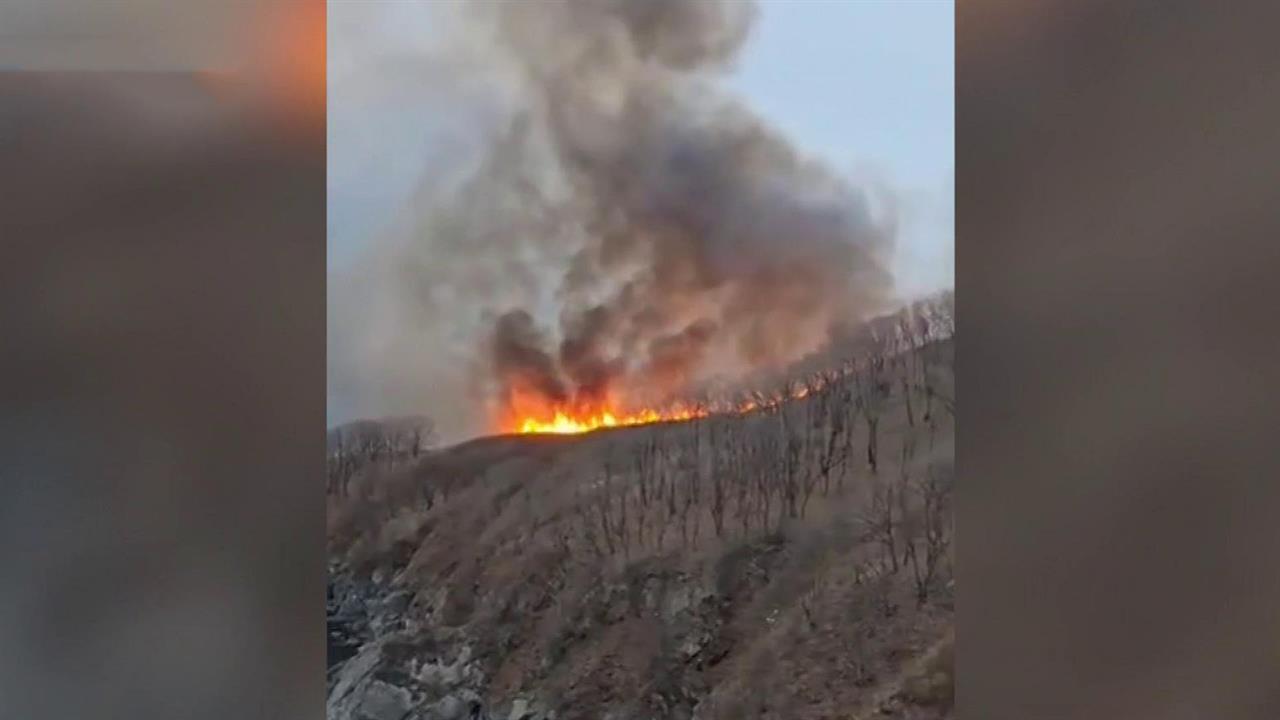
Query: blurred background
{"points": [[163, 360], [1117, 226]]}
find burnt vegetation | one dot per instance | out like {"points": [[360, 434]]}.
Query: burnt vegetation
{"points": [[789, 561]]}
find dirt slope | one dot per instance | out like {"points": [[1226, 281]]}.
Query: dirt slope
{"points": [[696, 570]]}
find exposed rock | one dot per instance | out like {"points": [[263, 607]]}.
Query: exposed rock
{"points": [[384, 702], [450, 707], [397, 602], [350, 675]]}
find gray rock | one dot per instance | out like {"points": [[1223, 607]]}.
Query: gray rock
{"points": [[677, 602], [441, 676], [694, 643], [450, 707], [384, 702], [354, 671], [397, 602], [358, 695]]}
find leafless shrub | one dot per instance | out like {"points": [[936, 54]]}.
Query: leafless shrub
{"points": [[725, 469], [933, 540], [365, 443], [811, 598]]}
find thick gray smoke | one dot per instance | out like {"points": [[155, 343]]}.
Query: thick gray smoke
{"points": [[632, 231]]}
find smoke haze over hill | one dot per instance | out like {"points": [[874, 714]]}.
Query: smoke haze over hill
{"points": [[615, 229]]}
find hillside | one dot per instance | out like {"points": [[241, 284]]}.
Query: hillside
{"points": [[735, 566]]}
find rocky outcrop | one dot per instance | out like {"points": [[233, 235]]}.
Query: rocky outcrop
{"points": [[400, 669]]}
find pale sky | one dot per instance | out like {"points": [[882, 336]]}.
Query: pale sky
{"points": [[865, 85], [869, 87]]}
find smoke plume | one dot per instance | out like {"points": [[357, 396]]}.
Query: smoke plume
{"points": [[631, 231]]}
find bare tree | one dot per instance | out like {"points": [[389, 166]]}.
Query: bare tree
{"points": [[621, 525], [604, 503], [906, 361], [422, 436], [872, 391], [829, 420], [693, 481], [888, 512], [882, 522], [934, 538], [586, 525], [740, 460], [945, 313], [341, 464], [646, 464], [718, 443], [811, 599], [794, 436], [765, 462], [668, 483]]}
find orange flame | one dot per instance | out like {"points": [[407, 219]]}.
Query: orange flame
{"points": [[567, 422], [529, 413]]}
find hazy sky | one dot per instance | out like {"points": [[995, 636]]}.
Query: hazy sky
{"points": [[866, 85]]}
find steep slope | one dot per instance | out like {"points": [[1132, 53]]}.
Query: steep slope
{"points": [[746, 566]]}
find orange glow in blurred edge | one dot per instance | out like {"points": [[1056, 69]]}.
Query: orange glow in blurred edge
{"points": [[281, 68]]}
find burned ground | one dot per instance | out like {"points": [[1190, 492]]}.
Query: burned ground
{"points": [[728, 567]]}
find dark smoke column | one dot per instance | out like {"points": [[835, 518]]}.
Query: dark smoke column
{"points": [[703, 245]]}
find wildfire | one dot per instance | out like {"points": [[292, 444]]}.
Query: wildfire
{"points": [[528, 413], [568, 423]]}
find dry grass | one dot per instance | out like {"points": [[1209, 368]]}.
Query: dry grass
{"points": [[793, 618]]}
